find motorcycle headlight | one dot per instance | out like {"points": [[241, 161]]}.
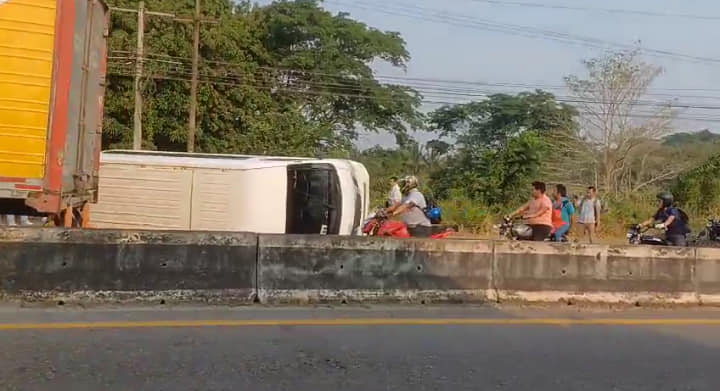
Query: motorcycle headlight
{"points": [[629, 235]]}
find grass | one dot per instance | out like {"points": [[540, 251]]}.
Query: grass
{"points": [[478, 220]]}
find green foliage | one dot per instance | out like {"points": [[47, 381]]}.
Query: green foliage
{"points": [[412, 159], [288, 78], [501, 144], [468, 214], [699, 189]]}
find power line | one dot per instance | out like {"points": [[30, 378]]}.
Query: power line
{"points": [[601, 10], [422, 86], [380, 99], [434, 15], [179, 60], [360, 95]]}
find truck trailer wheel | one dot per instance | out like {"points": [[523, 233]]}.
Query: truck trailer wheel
{"points": [[73, 217]]}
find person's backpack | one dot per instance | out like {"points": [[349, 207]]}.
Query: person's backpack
{"points": [[603, 206], [684, 216]]}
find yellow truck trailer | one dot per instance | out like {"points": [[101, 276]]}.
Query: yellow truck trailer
{"points": [[52, 80]]}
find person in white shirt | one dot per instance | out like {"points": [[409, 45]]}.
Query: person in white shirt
{"points": [[395, 195], [412, 208]]}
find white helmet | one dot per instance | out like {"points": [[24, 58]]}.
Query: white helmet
{"points": [[408, 183]]}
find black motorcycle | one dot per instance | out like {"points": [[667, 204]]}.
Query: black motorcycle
{"points": [[710, 235], [638, 235], [514, 230], [517, 230]]}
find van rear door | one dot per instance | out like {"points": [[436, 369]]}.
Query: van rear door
{"points": [[314, 199]]}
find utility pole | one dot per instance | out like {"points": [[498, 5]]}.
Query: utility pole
{"points": [[137, 118], [197, 20], [192, 125]]}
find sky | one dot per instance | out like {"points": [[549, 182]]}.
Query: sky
{"points": [[450, 40]]}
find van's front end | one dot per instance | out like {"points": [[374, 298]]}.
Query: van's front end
{"points": [[326, 197]]}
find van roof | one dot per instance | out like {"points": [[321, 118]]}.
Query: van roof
{"points": [[201, 160]]}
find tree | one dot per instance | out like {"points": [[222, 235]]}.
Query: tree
{"points": [[619, 131], [412, 158], [286, 78], [699, 188], [501, 144]]}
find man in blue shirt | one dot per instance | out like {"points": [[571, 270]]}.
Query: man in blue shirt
{"points": [[671, 219]]}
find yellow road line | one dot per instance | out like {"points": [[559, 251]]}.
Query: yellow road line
{"points": [[363, 322]]}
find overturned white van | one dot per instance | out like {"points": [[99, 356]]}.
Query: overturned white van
{"points": [[213, 192]]}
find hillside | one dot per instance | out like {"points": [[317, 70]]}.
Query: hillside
{"points": [[686, 138]]}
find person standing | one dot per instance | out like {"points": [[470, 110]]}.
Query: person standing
{"points": [[563, 210], [395, 195], [12, 222], [589, 218], [537, 213]]}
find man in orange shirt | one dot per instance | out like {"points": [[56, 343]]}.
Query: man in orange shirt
{"points": [[537, 213]]}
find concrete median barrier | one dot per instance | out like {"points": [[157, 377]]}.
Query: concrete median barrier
{"points": [[545, 272], [707, 275], [116, 265], [337, 269], [652, 274], [538, 271], [111, 265]]}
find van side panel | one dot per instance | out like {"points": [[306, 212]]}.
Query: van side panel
{"points": [[143, 197], [249, 200]]}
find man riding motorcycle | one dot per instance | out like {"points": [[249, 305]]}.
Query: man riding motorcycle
{"points": [[537, 212], [671, 219], [412, 208]]}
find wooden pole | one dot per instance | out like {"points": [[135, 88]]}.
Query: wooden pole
{"points": [[137, 117], [192, 125]]}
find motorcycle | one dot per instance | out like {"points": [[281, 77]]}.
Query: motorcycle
{"points": [[710, 235], [516, 230], [637, 235], [379, 224]]}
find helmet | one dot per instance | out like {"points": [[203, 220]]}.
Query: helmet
{"points": [[435, 215], [408, 183], [666, 198]]}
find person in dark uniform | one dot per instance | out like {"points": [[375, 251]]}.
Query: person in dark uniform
{"points": [[671, 219]]}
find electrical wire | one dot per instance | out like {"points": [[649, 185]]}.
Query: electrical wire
{"points": [[437, 16], [600, 10], [426, 89], [130, 56], [295, 91]]}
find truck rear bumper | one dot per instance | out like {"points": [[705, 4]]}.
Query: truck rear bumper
{"points": [[19, 187]]}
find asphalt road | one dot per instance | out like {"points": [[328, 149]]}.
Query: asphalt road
{"points": [[378, 348]]}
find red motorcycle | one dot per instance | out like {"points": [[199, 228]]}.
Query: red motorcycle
{"points": [[379, 224]]}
